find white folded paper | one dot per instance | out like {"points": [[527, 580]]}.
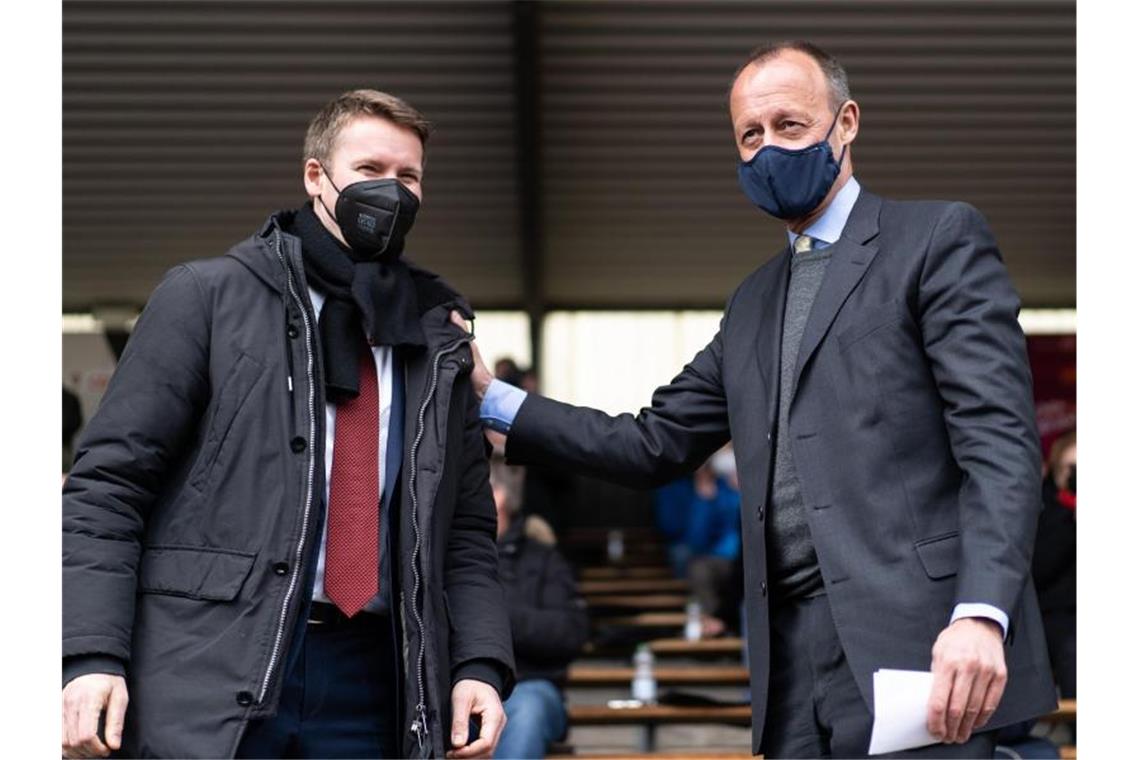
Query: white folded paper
{"points": [[901, 698]]}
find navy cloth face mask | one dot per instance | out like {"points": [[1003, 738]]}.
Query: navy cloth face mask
{"points": [[789, 184], [374, 216]]}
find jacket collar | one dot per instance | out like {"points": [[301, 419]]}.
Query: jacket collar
{"points": [[258, 253], [851, 255]]}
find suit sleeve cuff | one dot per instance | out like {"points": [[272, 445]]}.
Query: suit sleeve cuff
{"points": [[987, 611], [486, 670], [500, 404], [86, 664]]}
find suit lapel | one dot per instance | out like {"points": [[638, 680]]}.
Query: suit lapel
{"points": [[852, 255]]}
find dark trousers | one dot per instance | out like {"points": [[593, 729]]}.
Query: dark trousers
{"points": [[815, 708], [1061, 638], [340, 696]]}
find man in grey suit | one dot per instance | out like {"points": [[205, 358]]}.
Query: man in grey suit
{"points": [[874, 381]]}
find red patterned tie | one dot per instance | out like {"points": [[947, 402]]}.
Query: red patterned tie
{"points": [[352, 570]]}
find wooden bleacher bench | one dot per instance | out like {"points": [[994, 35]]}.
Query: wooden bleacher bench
{"points": [[637, 601], [639, 562], [619, 572], [639, 556], [650, 716], [678, 754], [716, 675], [634, 586], [1067, 753], [1066, 711], [602, 715], [636, 533], [728, 646], [645, 620], [599, 715]]}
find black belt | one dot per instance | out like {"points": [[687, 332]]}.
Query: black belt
{"points": [[323, 613]]}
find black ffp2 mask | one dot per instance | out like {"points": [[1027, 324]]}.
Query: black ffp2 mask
{"points": [[375, 215]]}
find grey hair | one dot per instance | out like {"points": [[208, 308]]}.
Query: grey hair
{"points": [[838, 89]]}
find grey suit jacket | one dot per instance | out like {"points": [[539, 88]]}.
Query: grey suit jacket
{"points": [[912, 429]]}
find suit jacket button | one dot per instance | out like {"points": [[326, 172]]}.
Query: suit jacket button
{"points": [[763, 588], [769, 437], [297, 444], [244, 698], [760, 514], [280, 568]]}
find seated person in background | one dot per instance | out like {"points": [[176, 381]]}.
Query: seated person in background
{"points": [[549, 624], [700, 518], [1055, 562], [551, 492], [507, 370]]}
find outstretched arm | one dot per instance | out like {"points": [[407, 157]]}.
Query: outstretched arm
{"points": [[686, 421]]}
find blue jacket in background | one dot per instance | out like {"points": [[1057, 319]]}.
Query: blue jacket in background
{"points": [[704, 526]]}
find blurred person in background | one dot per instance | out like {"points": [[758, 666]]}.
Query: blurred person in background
{"points": [[551, 492], [874, 380], [507, 370], [1055, 561], [549, 623], [699, 516], [278, 530]]}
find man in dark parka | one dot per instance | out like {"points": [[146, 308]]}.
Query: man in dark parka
{"points": [[281, 508]]}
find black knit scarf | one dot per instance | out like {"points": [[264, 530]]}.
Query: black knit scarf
{"points": [[364, 301]]}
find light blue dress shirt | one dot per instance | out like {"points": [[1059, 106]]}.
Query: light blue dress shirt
{"points": [[502, 401], [830, 224]]}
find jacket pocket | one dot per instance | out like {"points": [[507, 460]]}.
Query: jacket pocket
{"points": [[867, 321], [939, 555], [232, 395], [194, 572]]}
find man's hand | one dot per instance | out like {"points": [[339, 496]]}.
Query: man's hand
{"points": [[84, 699], [468, 699], [969, 678], [481, 377]]}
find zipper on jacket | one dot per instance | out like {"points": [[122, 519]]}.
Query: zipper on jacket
{"points": [[299, 552], [419, 725], [289, 335]]}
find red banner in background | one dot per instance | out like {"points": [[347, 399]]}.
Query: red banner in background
{"points": [[1053, 361]]}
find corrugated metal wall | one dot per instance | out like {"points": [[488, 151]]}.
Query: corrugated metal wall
{"points": [[964, 101], [183, 121], [183, 124]]}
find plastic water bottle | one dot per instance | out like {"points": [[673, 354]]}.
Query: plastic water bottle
{"points": [[615, 546], [644, 682], [693, 621]]}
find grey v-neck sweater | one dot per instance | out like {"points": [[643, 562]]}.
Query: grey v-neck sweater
{"points": [[793, 568]]}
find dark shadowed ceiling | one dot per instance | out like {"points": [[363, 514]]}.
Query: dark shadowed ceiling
{"points": [[583, 155]]}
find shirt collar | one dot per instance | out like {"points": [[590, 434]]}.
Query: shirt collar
{"points": [[830, 225]]}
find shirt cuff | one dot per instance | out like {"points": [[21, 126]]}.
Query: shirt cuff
{"points": [[482, 669], [987, 611], [500, 405]]}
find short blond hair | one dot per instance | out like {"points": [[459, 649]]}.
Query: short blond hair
{"points": [[1062, 444], [320, 138]]}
